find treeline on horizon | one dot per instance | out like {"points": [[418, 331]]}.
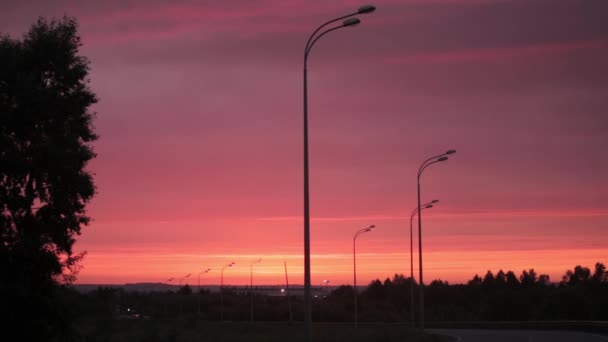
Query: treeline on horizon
{"points": [[582, 294]]}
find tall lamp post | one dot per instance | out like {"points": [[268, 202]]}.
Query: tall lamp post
{"points": [[182, 279], [287, 293], [359, 232], [181, 301], [199, 289], [433, 160], [164, 304], [414, 212], [347, 21], [251, 284], [222, 291]]}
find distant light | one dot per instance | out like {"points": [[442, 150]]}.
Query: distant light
{"points": [[282, 290]]}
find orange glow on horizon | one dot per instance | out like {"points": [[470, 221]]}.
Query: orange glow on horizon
{"points": [[453, 266]]}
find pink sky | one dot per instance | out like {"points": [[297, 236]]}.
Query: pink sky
{"points": [[199, 156]]}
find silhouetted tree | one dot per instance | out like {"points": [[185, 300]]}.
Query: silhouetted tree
{"points": [[501, 279], [45, 131], [528, 278], [375, 290], [511, 280], [437, 283], [475, 282], [544, 280], [185, 290], [488, 280], [599, 275], [580, 275]]}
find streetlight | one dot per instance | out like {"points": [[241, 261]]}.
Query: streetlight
{"points": [[436, 159], [164, 306], [199, 288], [287, 292], [222, 291], [251, 284], [182, 279], [181, 301], [325, 282], [414, 212], [348, 21], [360, 231]]}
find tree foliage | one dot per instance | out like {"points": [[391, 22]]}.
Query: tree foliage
{"points": [[46, 128], [381, 301]]}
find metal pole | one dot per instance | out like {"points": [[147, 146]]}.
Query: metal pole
{"points": [[307, 286], [251, 289], [287, 289], [199, 289], [307, 292], [433, 160], [412, 311], [420, 260], [222, 295], [355, 280]]}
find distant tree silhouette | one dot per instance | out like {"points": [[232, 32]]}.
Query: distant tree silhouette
{"points": [[600, 275], [375, 290], [544, 280], [511, 280], [488, 280], [438, 283], [501, 279], [475, 282], [45, 131], [580, 275], [184, 290], [528, 278]]}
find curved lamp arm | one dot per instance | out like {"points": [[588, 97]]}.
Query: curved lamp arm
{"points": [[424, 164], [431, 163], [363, 230], [319, 36], [308, 43]]}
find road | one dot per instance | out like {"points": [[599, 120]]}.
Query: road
{"points": [[479, 335]]}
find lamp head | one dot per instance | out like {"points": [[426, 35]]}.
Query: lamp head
{"points": [[434, 201], [440, 159], [372, 226], [351, 22], [450, 151], [429, 206], [366, 9]]}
